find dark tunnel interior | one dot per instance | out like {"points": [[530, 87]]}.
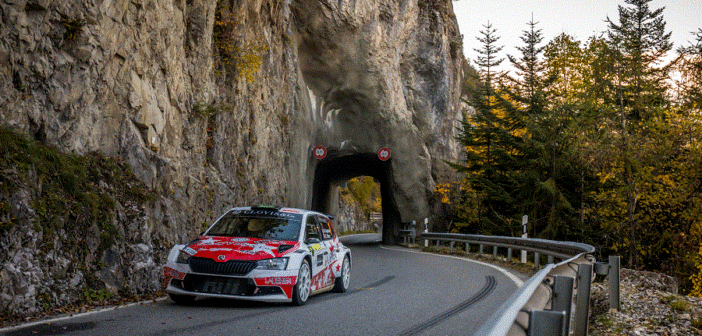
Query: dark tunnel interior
{"points": [[333, 170]]}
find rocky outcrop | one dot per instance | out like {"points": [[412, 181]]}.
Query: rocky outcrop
{"points": [[215, 104]]}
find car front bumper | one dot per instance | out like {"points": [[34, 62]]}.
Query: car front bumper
{"points": [[259, 285]]}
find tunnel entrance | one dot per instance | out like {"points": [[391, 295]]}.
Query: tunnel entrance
{"points": [[333, 170]]}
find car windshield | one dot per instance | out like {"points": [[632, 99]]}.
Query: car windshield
{"points": [[265, 224]]}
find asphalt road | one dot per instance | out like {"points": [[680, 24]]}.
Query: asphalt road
{"points": [[393, 291]]}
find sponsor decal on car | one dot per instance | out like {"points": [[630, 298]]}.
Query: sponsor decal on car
{"points": [[189, 250], [171, 274], [276, 281], [315, 247], [215, 249], [242, 248], [323, 279], [281, 214], [286, 283]]}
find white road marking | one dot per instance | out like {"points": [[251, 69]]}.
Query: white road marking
{"points": [[72, 316]]}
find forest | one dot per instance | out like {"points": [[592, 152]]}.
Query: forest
{"points": [[596, 141]]}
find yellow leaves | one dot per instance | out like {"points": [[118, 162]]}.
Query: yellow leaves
{"points": [[697, 277], [605, 176], [443, 189], [246, 58], [364, 191]]}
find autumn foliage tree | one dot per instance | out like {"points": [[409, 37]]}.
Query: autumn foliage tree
{"points": [[597, 141]]}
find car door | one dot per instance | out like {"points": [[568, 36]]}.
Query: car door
{"points": [[313, 238], [327, 278]]}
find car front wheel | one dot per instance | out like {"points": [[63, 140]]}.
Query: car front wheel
{"points": [[301, 292], [342, 282]]}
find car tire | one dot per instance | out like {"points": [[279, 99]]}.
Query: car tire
{"points": [[182, 299], [301, 291], [341, 283]]}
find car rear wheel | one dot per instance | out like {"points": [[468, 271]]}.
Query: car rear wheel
{"points": [[342, 282], [181, 299], [301, 292]]}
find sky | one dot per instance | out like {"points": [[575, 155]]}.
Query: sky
{"points": [[579, 18]]}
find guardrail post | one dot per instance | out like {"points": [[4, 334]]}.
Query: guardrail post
{"points": [[550, 259], [413, 233], [563, 298], [481, 249], [509, 254], [537, 260], [467, 248], [546, 323], [438, 243], [494, 252], [582, 301], [614, 268]]}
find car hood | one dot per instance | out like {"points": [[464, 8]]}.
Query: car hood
{"points": [[238, 248]]}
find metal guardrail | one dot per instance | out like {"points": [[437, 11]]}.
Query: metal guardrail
{"points": [[544, 304]]}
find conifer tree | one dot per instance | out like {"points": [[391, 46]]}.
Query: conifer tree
{"points": [[489, 144], [546, 183], [690, 68], [640, 41]]}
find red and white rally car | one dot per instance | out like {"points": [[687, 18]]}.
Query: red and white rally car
{"points": [[260, 253]]}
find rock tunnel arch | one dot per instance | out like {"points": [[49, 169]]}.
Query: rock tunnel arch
{"points": [[333, 170]]}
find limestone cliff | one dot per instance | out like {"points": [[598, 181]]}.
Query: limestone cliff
{"points": [[218, 103]]}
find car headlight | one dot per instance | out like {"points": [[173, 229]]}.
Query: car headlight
{"points": [[272, 264], [182, 258]]}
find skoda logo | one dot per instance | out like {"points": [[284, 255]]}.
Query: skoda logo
{"points": [[221, 257]]}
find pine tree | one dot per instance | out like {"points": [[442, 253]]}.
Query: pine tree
{"points": [[547, 182], [487, 59], [530, 69], [482, 133], [689, 64], [640, 41], [489, 144]]}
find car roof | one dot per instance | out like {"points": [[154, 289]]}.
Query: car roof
{"points": [[281, 209]]}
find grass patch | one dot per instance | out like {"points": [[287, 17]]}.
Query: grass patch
{"points": [[697, 322], [69, 194], [668, 299], [680, 305]]}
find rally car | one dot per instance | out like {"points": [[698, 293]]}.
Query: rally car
{"points": [[260, 253]]}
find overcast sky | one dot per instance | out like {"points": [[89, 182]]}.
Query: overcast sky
{"points": [[579, 18]]}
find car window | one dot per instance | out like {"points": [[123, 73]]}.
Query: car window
{"points": [[258, 224], [327, 231], [312, 229]]}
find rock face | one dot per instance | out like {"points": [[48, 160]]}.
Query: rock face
{"points": [[219, 103], [385, 75]]}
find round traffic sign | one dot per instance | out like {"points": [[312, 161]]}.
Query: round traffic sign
{"points": [[384, 154], [319, 152]]}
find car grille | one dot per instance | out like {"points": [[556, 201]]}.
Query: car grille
{"points": [[217, 285], [232, 267]]}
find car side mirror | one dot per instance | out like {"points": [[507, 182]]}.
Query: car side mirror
{"points": [[313, 241]]}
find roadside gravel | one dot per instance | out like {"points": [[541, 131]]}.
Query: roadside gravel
{"points": [[650, 305]]}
